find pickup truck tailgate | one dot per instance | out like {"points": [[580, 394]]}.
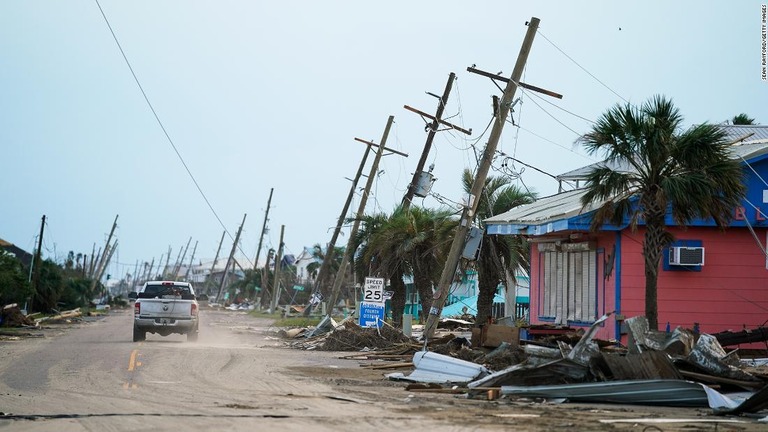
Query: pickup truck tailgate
{"points": [[165, 308]]}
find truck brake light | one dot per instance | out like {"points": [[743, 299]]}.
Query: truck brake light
{"points": [[194, 309], [137, 308]]}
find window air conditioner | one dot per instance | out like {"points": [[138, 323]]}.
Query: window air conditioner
{"points": [[686, 256]]}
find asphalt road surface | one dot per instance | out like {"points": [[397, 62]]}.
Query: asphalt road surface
{"points": [[91, 377]]}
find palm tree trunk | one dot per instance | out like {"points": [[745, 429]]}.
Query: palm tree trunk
{"points": [[423, 284], [654, 243], [487, 282], [398, 297]]}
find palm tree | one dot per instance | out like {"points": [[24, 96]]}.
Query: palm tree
{"points": [[498, 255], [688, 173], [742, 119], [380, 254], [427, 242], [320, 255], [414, 241]]}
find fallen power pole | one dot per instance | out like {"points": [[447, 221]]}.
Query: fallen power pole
{"points": [[337, 282], [468, 213]]}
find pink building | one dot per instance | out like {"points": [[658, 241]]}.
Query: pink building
{"points": [[709, 279]]}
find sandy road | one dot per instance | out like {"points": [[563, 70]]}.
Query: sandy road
{"points": [[92, 377], [235, 377]]}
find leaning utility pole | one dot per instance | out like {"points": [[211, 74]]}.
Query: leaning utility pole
{"points": [[360, 210], [331, 248], [36, 259], [276, 284], [467, 215], [92, 263], [189, 267], [436, 121], [181, 261], [100, 267], [263, 228], [135, 276], [167, 263], [107, 260], [229, 260], [213, 266]]}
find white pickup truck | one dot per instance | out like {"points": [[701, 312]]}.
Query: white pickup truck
{"points": [[165, 307]]}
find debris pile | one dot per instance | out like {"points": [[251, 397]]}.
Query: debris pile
{"points": [[352, 337], [11, 316]]}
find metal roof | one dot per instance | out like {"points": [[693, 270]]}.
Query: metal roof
{"points": [[556, 212], [746, 139], [555, 207]]}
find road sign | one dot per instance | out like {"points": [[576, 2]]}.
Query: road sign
{"points": [[298, 288], [373, 290], [371, 314]]}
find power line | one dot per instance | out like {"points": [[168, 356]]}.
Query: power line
{"points": [[557, 106], [580, 66], [557, 144], [555, 118], [159, 122]]}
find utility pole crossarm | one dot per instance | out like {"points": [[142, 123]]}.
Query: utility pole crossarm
{"points": [[441, 121], [370, 143], [521, 84]]}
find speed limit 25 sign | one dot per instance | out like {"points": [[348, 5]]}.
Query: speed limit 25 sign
{"points": [[373, 290]]}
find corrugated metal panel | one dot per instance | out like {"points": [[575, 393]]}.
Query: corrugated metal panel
{"points": [[676, 393], [751, 132], [558, 206], [437, 368]]}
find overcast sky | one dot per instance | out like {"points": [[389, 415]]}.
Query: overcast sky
{"points": [[257, 95]]}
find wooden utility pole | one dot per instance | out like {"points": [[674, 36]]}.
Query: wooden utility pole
{"points": [[468, 214], [337, 282], [164, 269], [213, 266], [175, 264], [37, 258], [93, 261], [413, 186], [263, 228], [229, 260], [192, 258], [180, 262], [330, 250], [109, 258], [276, 284], [135, 276], [100, 267]]}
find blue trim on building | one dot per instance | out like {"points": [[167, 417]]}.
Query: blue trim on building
{"points": [[617, 283]]}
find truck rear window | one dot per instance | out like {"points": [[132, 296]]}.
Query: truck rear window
{"points": [[152, 291]]}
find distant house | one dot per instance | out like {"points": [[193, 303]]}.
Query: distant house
{"points": [[22, 255], [302, 262], [709, 279]]}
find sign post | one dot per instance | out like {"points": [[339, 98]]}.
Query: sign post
{"points": [[372, 306]]}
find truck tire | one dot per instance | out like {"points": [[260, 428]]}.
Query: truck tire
{"points": [[139, 335]]}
